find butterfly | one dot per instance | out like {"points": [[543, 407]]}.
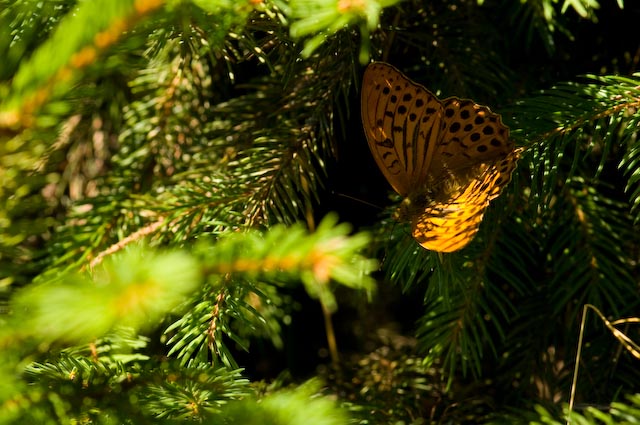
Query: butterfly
{"points": [[448, 159]]}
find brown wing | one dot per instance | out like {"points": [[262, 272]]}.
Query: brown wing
{"points": [[402, 122], [447, 226]]}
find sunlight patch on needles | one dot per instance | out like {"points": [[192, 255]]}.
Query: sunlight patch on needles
{"points": [[320, 19], [317, 258]]}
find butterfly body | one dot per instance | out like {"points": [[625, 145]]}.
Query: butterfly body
{"points": [[448, 158]]}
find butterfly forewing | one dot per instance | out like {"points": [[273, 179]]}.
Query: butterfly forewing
{"points": [[401, 121]]}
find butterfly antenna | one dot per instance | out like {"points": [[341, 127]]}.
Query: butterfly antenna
{"points": [[378, 207]]}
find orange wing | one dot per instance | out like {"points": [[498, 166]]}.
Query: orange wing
{"points": [[451, 225]]}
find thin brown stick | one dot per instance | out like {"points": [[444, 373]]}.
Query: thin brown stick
{"points": [[326, 312], [576, 367], [626, 342], [331, 336]]}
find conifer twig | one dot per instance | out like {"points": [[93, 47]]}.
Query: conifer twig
{"points": [[118, 246]]}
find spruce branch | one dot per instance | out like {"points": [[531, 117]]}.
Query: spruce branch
{"points": [[41, 78], [242, 264], [209, 127]]}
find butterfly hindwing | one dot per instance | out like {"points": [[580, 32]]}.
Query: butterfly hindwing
{"points": [[451, 225]]}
